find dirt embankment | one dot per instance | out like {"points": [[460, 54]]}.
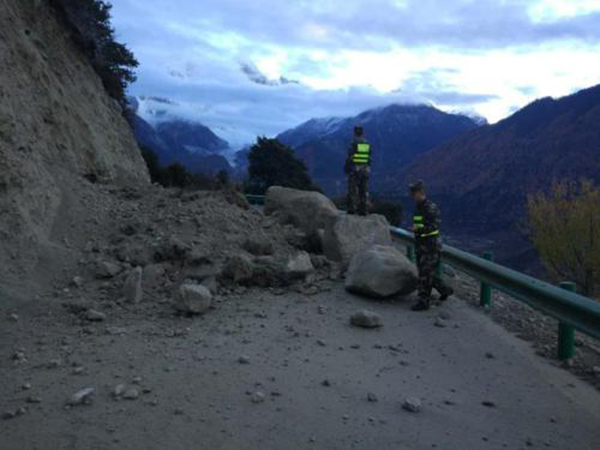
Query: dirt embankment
{"points": [[57, 124]]}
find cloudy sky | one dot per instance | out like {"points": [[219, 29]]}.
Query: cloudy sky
{"points": [[247, 67]]}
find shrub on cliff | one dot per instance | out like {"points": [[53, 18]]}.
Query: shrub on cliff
{"points": [[89, 21]]}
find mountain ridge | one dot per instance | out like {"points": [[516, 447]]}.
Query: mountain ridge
{"points": [[397, 132]]}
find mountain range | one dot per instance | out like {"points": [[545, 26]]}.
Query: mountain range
{"points": [[482, 178], [176, 140], [397, 133]]}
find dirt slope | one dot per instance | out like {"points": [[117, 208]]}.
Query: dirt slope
{"points": [[56, 123]]}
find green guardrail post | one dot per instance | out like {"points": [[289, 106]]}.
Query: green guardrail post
{"points": [[566, 333], [439, 270], [485, 295], [410, 253]]}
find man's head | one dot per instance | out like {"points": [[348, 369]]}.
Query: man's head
{"points": [[359, 131], [417, 192]]}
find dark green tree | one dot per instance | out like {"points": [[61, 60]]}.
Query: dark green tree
{"points": [[273, 164], [89, 21]]}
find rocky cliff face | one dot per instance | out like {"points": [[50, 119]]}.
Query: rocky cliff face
{"points": [[57, 124]]}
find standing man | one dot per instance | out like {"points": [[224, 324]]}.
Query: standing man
{"points": [[426, 226], [358, 168]]}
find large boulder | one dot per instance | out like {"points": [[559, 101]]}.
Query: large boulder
{"points": [[381, 272], [192, 299], [350, 234], [308, 211]]}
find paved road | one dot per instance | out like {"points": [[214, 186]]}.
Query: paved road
{"points": [[201, 395]]}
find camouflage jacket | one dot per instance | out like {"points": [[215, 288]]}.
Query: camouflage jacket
{"points": [[432, 218]]}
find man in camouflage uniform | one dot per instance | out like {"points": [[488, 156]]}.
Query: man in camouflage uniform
{"points": [[426, 226], [358, 168]]}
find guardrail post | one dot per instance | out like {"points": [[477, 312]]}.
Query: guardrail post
{"points": [[410, 253], [566, 333], [485, 295]]}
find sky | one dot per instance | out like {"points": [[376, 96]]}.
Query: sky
{"points": [[249, 67]]}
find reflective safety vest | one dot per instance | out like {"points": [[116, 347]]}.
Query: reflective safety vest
{"points": [[418, 227], [363, 154]]}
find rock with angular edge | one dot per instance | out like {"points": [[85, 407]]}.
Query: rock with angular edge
{"points": [[193, 299], [412, 405], [350, 234], [132, 289], [298, 265], [82, 397], [366, 319], [306, 210], [105, 269], [381, 272], [239, 268]]}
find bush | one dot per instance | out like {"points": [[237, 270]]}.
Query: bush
{"points": [[564, 225], [176, 175], [273, 164], [89, 21]]}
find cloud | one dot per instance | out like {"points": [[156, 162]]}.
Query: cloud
{"points": [[262, 66]]}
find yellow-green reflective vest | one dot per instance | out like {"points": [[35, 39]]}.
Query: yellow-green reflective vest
{"points": [[418, 227], [362, 154]]}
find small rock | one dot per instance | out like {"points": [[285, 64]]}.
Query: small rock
{"points": [[321, 342], [488, 404], [54, 363], [131, 394], [107, 270], [26, 386], [366, 319], [412, 405], [119, 390], [15, 413], [33, 399], [326, 383], [12, 318], [596, 371], [258, 397], [489, 355], [136, 380], [178, 412], [82, 397], [132, 289], [372, 398], [440, 323], [77, 282], [19, 356], [78, 370], [192, 299], [445, 315], [95, 316], [244, 360]]}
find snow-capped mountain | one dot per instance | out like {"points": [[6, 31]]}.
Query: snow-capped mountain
{"points": [[398, 134], [175, 139]]}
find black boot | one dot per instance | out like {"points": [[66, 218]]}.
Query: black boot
{"points": [[447, 293], [421, 305]]}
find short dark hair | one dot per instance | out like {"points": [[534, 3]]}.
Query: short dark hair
{"points": [[358, 130], [418, 186]]}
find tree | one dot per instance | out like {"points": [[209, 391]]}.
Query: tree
{"points": [[273, 164], [565, 229], [89, 21]]}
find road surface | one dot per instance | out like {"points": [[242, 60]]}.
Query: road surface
{"points": [[326, 384]]}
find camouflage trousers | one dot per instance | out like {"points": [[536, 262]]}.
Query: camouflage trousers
{"points": [[358, 191], [429, 251]]}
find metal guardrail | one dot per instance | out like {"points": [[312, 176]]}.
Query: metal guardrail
{"points": [[570, 309], [573, 311], [256, 199]]}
